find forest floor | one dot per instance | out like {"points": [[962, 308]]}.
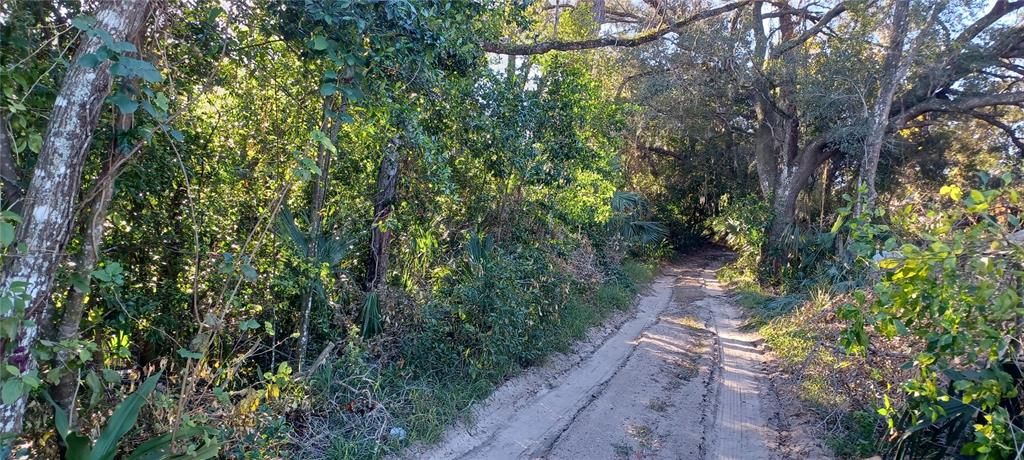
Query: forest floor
{"points": [[675, 378]]}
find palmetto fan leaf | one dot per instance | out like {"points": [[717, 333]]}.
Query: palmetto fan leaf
{"points": [[627, 202], [330, 250], [627, 208], [646, 231]]}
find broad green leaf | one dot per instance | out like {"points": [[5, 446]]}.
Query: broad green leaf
{"points": [[122, 420], [123, 47], [158, 448], [111, 376], [83, 22], [124, 103], [888, 264], [249, 273], [328, 89], [31, 379], [319, 43], [189, 354], [78, 447], [6, 234], [12, 390], [35, 142]]}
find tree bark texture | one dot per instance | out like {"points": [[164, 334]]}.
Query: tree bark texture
{"points": [[383, 205], [50, 198], [893, 72]]}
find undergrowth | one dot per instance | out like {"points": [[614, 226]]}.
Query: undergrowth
{"points": [[798, 322], [801, 330], [368, 408]]}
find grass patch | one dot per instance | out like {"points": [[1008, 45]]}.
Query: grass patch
{"points": [[858, 438], [801, 331]]}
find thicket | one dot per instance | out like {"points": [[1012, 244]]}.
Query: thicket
{"points": [[313, 229], [924, 300], [257, 228]]}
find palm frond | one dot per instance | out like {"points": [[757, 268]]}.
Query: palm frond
{"points": [[288, 231], [648, 231], [627, 202]]}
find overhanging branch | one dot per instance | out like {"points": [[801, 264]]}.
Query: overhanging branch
{"points": [[519, 49], [963, 104], [993, 120]]}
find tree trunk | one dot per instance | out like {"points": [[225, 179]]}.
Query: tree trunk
{"points": [[793, 178], [318, 194], [765, 157], [893, 72], [50, 199], [92, 241], [383, 204]]}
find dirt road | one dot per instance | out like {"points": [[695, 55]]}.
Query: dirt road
{"points": [[675, 379]]}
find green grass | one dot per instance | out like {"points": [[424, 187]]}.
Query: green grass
{"points": [[858, 437], [793, 327], [425, 404]]}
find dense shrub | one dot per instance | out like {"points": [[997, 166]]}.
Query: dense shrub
{"points": [[741, 224], [952, 289], [486, 318]]}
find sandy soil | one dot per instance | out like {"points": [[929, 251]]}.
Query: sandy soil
{"points": [[674, 379]]}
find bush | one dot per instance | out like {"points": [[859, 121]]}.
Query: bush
{"points": [[741, 226], [954, 291], [486, 319], [497, 311]]}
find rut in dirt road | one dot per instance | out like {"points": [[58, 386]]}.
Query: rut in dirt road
{"points": [[677, 380]]}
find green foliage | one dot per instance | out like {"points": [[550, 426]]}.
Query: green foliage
{"points": [[120, 422], [376, 408], [627, 210], [487, 319], [742, 225], [955, 288]]}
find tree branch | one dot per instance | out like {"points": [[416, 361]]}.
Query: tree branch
{"points": [[11, 187], [518, 49], [831, 14], [963, 104], [996, 122]]}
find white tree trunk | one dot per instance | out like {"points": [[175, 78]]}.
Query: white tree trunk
{"points": [[894, 71], [50, 199]]}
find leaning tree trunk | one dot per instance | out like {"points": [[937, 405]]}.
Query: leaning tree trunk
{"points": [[50, 199], [97, 207], [893, 72], [794, 175], [383, 205], [318, 194]]}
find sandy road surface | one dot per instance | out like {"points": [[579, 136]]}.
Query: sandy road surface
{"points": [[674, 379]]}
